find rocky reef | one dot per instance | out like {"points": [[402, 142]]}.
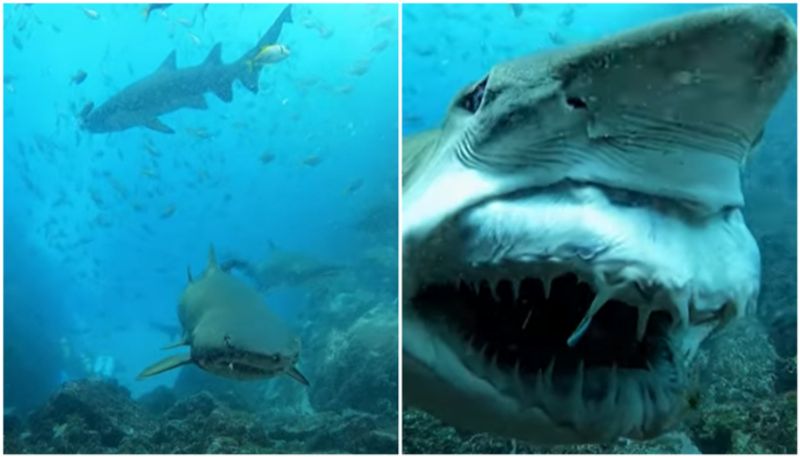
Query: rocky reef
{"points": [[99, 417]]}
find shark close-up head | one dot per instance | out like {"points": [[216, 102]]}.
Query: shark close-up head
{"points": [[574, 231], [230, 331]]}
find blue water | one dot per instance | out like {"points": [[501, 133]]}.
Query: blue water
{"points": [[100, 228]]}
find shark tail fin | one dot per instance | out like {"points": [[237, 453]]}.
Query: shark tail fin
{"points": [[250, 71], [165, 364], [212, 259]]}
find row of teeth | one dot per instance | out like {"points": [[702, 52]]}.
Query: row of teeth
{"points": [[544, 379], [620, 389], [606, 294]]}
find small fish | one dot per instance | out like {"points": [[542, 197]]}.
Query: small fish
{"points": [[185, 22], [168, 211], [312, 161], [380, 46], [149, 8], [16, 41], [516, 8], [386, 23], [201, 133], [267, 157], [343, 89], [556, 38], [195, 39], [148, 146], [78, 77], [270, 53], [149, 172], [354, 186], [360, 67], [91, 14]]}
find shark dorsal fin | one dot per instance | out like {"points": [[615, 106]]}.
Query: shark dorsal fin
{"points": [[214, 57], [212, 259], [169, 63]]}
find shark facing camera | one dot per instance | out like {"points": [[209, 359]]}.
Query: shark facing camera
{"points": [[230, 331], [573, 232]]}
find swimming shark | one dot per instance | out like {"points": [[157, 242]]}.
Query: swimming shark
{"points": [[230, 331], [170, 88], [573, 231], [285, 268]]}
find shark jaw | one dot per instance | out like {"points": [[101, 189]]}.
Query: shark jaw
{"points": [[574, 232], [246, 365], [571, 313]]}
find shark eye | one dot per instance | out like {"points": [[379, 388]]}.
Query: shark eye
{"points": [[472, 101]]}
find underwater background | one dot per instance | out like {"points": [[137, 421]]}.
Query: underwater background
{"points": [[748, 402], [299, 181]]}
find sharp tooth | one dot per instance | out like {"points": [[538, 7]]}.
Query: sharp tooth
{"points": [[517, 380], [576, 396], [496, 289], [547, 281], [470, 350], [641, 322], [548, 375], [602, 297], [527, 318], [482, 352], [611, 394], [539, 387]]}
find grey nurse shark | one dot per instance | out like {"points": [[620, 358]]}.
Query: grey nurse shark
{"points": [[170, 88], [230, 331], [573, 231]]}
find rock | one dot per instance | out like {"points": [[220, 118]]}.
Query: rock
{"points": [[158, 400], [87, 416]]}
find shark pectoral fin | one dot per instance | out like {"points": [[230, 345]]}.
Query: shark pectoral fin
{"points": [[296, 375], [165, 364], [223, 91], [158, 126], [181, 342]]}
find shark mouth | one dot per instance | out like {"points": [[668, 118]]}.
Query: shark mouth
{"points": [[568, 314], [534, 322], [560, 342]]}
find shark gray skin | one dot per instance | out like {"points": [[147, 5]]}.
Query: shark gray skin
{"points": [[230, 331], [170, 88], [574, 231]]}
